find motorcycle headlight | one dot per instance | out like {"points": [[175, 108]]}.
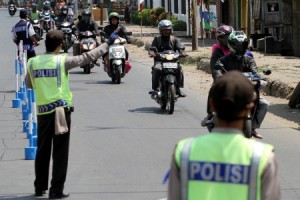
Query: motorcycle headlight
{"points": [[84, 46], [169, 56]]}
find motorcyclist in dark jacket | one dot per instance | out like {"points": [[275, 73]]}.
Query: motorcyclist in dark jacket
{"points": [[115, 27], [218, 50], [63, 16], [86, 24], [238, 60], [166, 42]]}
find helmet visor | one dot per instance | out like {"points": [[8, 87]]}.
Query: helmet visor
{"points": [[239, 48]]}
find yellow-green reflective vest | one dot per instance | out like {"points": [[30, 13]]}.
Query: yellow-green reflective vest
{"points": [[50, 82], [221, 166]]}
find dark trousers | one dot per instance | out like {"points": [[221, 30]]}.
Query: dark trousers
{"points": [[156, 75], [60, 153], [30, 54]]}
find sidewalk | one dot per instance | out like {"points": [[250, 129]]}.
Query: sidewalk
{"points": [[285, 70]]}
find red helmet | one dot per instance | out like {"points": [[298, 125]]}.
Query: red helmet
{"points": [[222, 34]]}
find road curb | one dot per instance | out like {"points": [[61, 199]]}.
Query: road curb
{"points": [[274, 88]]}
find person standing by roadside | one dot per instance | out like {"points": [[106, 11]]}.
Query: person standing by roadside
{"points": [[48, 76], [24, 31], [225, 165]]}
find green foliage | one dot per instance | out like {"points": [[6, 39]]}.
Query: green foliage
{"points": [[159, 11], [144, 15], [179, 25]]}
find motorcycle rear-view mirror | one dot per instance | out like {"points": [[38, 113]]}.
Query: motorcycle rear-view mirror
{"points": [[128, 33], [153, 49], [267, 71]]}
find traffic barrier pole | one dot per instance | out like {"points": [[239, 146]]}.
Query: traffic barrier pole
{"points": [[16, 103], [30, 151]]}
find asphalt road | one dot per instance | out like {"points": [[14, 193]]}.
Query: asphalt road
{"points": [[121, 142]]}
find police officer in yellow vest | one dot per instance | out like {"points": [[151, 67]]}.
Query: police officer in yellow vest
{"points": [[225, 165], [48, 76]]}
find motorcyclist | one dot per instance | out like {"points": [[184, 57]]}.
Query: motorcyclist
{"points": [[115, 27], [166, 42], [12, 3], [63, 16], [47, 8], [218, 50], [238, 60], [34, 13], [58, 6], [86, 24]]}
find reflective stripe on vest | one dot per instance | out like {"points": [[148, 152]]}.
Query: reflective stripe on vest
{"points": [[50, 82], [185, 164]]}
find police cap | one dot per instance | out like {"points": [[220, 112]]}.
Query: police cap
{"points": [[230, 95], [23, 13]]}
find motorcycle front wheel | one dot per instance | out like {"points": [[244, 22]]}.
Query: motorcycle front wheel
{"points": [[170, 104], [65, 45], [248, 128]]}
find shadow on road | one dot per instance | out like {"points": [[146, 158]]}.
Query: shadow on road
{"points": [[154, 110], [24, 197], [283, 111]]}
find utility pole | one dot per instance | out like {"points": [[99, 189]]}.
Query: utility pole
{"points": [[194, 25], [101, 12]]}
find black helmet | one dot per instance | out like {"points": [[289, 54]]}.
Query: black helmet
{"points": [[238, 43], [33, 7], [86, 16], [222, 34], [64, 10]]}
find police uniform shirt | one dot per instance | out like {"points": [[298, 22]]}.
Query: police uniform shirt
{"points": [[270, 189], [30, 31]]}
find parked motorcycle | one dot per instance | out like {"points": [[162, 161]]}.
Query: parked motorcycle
{"points": [[87, 43], [12, 9], [69, 37], [166, 95], [37, 29], [115, 63], [258, 84]]}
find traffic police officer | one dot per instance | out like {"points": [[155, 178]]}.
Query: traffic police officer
{"points": [[23, 30], [48, 76], [224, 165]]}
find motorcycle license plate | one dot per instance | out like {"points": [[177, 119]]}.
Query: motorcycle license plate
{"points": [[170, 65], [65, 30]]}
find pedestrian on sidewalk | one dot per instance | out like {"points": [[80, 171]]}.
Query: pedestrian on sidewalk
{"points": [[48, 75], [225, 165]]}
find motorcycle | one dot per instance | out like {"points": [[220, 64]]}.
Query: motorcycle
{"points": [[37, 29], [12, 10], [47, 18], [258, 84], [69, 37], [166, 94], [87, 43], [115, 63]]}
